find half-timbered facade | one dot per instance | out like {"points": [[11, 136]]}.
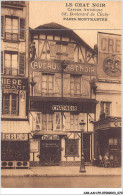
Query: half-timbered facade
{"points": [[14, 84], [60, 70]]}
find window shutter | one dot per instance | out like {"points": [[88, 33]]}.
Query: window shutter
{"points": [[21, 63], [66, 85], [22, 28], [58, 84], [2, 24], [1, 62]]}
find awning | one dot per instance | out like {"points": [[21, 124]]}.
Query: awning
{"points": [[108, 123], [49, 133], [15, 127]]}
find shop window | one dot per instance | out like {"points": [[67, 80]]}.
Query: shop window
{"points": [[13, 66], [10, 104], [114, 143], [74, 121], [71, 147], [105, 109], [47, 84], [47, 122], [75, 85]]}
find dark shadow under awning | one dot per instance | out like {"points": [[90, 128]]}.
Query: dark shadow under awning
{"points": [[40, 133]]}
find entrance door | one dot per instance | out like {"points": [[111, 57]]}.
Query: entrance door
{"points": [[50, 152], [86, 147]]}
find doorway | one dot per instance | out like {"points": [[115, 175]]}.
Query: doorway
{"points": [[50, 153]]}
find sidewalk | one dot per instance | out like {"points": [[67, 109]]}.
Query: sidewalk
{"points": [[60, 171]]}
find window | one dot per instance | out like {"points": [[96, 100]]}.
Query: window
{"points": [[47, 122], [105, 108], [72, 147], [11, 28], [47, 84], [11, 64], [75, 85], [114, 143], [74, 121], [10, 104], [38, 121], [58, 120], [61, 51]]}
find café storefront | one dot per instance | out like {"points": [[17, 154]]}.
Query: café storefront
{"points": [[108, 138]]}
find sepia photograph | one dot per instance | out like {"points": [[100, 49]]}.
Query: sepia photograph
{"points": [[61, 95]]}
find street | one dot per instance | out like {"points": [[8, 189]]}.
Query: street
{"points": [[62, 182]]}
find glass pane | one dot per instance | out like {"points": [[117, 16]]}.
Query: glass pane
{"points": [[58, 121], [14, 104], [15, 25], [7, 60], [38, 121], [8, 25], [44, 121], [14, 64], [6, 104], [50, 122]]}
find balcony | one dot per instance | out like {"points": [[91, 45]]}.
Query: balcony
{"points": [[14, 37], [11, 71]]}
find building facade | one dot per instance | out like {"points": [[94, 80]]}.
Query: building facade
{"points": [[14, 84], [108, 95], [60, 70]]}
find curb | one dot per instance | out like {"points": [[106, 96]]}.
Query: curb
{"points": [[70, 175]]}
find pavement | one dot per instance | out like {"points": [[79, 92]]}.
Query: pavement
{"points": [[61, 171]]}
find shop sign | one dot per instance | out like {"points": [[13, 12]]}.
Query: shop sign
{"points": [[51, 66], [50, 137], [14, 83], [34, 145], [116, 124], [14, 136], [109, 56], [64, 108]]}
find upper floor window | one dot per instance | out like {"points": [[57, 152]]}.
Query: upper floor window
{"points": [[47, 84], [105, 108], [75, 85], [12, 63], [12, 28], [10, 104]]}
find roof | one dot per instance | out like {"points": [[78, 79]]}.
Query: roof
{"points": [[58, 29], [15, 127]]}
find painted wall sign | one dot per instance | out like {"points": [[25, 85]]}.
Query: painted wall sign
{"points": [[51, 66], [64, 108], [109, 56], [34, 145], [14, 83], [50, 137], [14, 136]]}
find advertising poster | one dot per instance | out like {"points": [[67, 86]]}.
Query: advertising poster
{"points": [[61, 92]]}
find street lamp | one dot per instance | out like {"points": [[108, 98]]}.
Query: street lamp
{"points": [[82, 165]]}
